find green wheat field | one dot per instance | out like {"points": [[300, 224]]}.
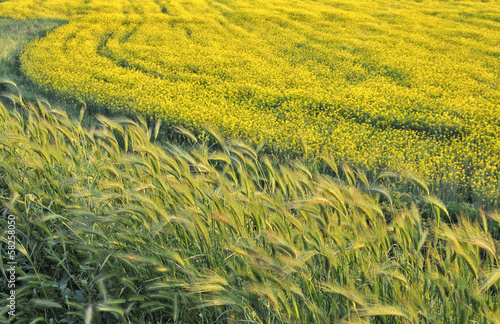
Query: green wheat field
{"points": [[266, 161]]}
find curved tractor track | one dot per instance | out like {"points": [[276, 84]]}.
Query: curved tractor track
{"points": [[379, 85]]}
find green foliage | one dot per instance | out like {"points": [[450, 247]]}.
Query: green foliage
{"points": [[114, 228]]}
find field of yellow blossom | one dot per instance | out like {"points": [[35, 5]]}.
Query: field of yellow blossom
{"points": [[378, 84]]}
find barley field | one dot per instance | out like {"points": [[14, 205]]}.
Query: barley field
{"points": [[381, 85], [115, 227], [238, 161]]}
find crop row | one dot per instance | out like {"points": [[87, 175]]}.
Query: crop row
{"points": [[406, 85]]}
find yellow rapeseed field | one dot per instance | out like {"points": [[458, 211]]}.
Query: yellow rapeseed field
{"points": [[378, 84]]}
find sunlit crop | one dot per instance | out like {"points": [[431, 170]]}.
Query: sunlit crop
{"points": [[115, 228], [381, 85]]}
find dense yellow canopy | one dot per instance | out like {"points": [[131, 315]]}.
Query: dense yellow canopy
{"points": [[379, 84]]}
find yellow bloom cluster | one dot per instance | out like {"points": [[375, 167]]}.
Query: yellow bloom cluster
{"points": [[378, 84]]}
